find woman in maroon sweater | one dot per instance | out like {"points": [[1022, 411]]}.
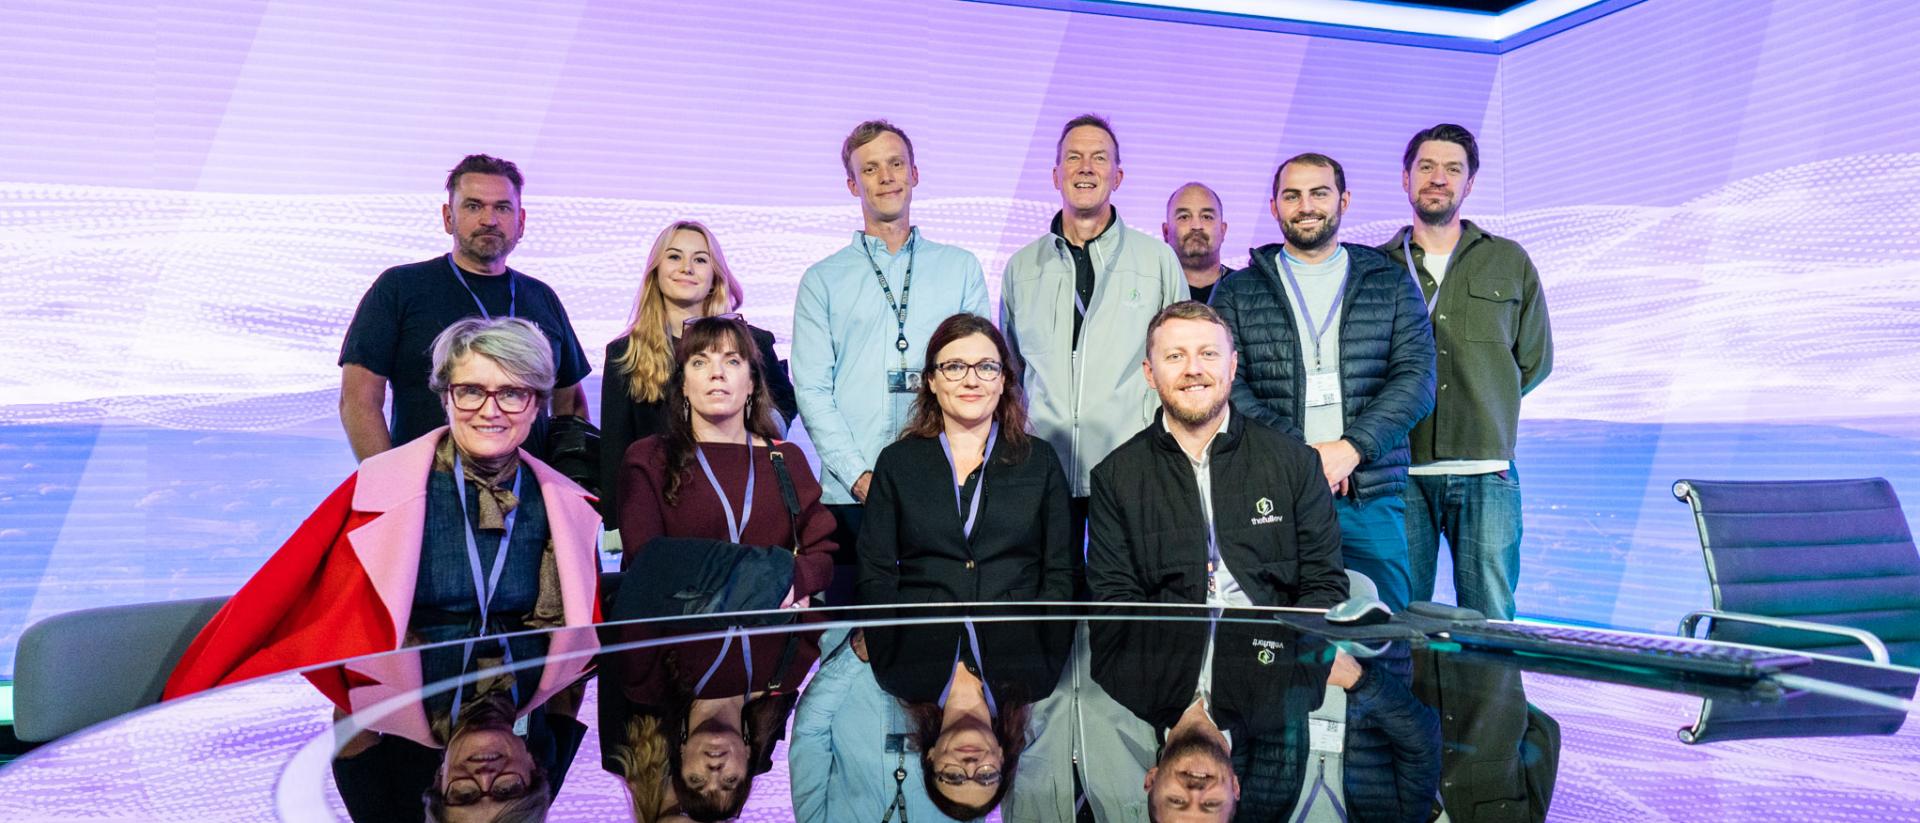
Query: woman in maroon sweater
{"points": [[671, 482], [701, 726]]}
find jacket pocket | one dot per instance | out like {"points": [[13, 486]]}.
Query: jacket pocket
{"points": [[1487, 315], [1282, 574], [1177, 577]]}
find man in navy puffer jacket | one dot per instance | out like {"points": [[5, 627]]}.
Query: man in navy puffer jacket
{"points": [[1336, 349]]}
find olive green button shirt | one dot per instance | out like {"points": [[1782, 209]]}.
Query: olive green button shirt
{"points": [[1492, 340]]}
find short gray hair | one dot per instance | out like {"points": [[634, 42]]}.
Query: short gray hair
{"points": [[516, 345]]}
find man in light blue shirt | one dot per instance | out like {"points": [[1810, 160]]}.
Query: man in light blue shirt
{"points": [[860, 327]]}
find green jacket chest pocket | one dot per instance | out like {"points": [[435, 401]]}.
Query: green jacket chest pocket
{"points": [[1490, 312]]}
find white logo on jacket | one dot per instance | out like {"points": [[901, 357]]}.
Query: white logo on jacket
{"points": [[1264, 508]]}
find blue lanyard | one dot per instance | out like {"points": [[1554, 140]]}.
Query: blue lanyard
{"points": [[979, 491], [1319, 788], [506, 662], [1206, 511], [1315, 330], [734, 527], [1119, 245], [513, 291], [484, 589], [1406, 250], [746, 656], [973, 641], [906, 289]]}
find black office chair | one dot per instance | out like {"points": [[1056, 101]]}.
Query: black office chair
{"points": [[1822, 566]]}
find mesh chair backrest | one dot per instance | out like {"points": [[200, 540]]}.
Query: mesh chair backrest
{"points": [[1827, 551]]}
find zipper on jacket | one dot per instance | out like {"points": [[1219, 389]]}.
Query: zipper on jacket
{"points": [[1073, 390]]}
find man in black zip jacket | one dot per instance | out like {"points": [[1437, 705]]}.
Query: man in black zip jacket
{"points": [[1200, 508], [1337, 352]]}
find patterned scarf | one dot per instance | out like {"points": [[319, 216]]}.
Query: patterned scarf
{"points": [[495, 483]]}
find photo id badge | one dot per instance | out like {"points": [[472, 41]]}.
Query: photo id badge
{"points": [[1326, 734], [1323, 388], [903, 381]]}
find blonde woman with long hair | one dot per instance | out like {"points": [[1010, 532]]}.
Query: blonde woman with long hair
{"points": [[686, 278]]}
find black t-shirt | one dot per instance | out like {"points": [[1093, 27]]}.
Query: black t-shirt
{"points": [[392, 334], [1203, 294]]}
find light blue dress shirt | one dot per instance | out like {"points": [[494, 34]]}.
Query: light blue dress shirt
{"points": [[843, 345]]}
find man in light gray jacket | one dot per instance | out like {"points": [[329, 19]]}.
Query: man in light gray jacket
{"points": [[1075, 305]]}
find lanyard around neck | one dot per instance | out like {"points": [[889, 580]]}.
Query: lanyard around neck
{"points": [[1316, 331], [513, 291], [746, 657], [972, 512], [972, 640], [734, 527], [1106, 274], [906, 288], [484, 589], [1406, 250]]}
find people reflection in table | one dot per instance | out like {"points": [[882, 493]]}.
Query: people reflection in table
{"points": [[488, 773], [967, 505], [852, 756], [688, 726], [1210, 688], [1500, 754], [448, 727], [967, 687]]}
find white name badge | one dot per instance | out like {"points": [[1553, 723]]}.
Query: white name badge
{"points": [[1323, 388], [1326, 735]]}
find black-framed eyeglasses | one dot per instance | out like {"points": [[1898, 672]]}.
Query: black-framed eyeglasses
{"points": [[987, 776], [955, 370], [732, 315], [506, 787], [510, 399]]}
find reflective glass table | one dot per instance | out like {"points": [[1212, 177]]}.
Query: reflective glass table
{"points": [[1028, 712]]}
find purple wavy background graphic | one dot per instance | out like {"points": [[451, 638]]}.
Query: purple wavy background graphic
{"points": [[1723, 199]]}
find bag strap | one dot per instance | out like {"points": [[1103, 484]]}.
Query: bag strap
{"points": [[787, 494], [779, 677]]}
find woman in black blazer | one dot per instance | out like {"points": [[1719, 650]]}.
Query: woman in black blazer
{"points": [[966, 506], [686, 278], [914, 547]]}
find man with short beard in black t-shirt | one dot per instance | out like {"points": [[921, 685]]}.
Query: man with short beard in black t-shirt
{"points": [[389, 338]]}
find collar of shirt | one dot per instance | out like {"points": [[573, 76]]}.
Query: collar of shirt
{"points": [[1334, 264], [1469, 234], [1060, 227], [878, 248]]}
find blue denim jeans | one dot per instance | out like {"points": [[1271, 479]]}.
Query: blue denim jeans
{"points": [[1479, 514], [1373, 542]]}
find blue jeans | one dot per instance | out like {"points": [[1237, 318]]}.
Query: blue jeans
{"points": [[1373, 542], [1479, 514]]}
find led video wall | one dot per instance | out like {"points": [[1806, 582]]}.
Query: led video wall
{"points": [[1719, 196]]}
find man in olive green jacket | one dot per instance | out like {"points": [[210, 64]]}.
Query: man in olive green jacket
{"points": [[1493, 346]]}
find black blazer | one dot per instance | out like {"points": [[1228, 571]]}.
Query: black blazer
{"points": [[912, 549], [625, 421], [1021, 660]]}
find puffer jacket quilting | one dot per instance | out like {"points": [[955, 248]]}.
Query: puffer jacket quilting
{"points": [[1386, 358]]}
